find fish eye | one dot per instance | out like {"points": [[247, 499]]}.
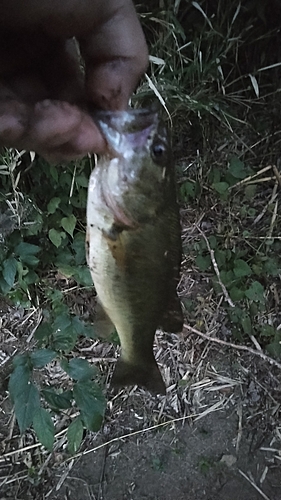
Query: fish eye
{"points": [[158, 151]]}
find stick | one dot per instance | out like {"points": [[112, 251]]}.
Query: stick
{"points": [[215, 266], [234, 346]]}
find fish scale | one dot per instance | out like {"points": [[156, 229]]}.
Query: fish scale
{"points": [[133, 241]]}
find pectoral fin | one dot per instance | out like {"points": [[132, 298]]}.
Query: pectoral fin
{"points": [[102, 323]]}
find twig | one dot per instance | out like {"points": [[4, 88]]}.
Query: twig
{"points": [[265, 169], [273, 219], [130, 434], [254, 485], [234, 346], [240, 428], [272, 198], [215, 266], [277, 174]]}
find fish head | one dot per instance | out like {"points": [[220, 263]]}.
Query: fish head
{"points": [[137, 175]]}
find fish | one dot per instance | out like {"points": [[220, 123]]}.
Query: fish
{"points": [[133, 240]]}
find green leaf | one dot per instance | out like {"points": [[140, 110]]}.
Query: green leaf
{"points": [[83, 276], [24, 249], [82, 180], [55, 237], [74, 435], [220, 187], [79, 369], [78, 325], [272, 266], [89, 332], [30, 260], [69, 223], [44, 427], [66, 270], [43, 332], [241, 268], [62, 322], [19, 379], [203, 262], [90, 399], [255, 292], [26, 405], [274, 348], [236, 293], [237, 168], [9, 270], [21, 360], [42, 357], [58, 401], [64, 340], [267, 331], [53, 205]]}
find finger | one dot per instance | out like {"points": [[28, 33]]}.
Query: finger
{"points": [[63, 130], [52, 129], [53, 73], [116, 56]]}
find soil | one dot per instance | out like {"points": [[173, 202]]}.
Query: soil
{"points": [[215, 436]]}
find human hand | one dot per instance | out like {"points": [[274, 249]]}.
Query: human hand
{"points": [[44, 94]]}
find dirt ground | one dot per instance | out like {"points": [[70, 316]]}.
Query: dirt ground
{"points": [[215, 436]]}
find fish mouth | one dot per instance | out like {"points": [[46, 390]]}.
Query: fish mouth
{"points": [[126, 132], [126, 129]]}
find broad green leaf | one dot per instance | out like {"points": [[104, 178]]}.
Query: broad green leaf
{"points": [[203, 262], [78, 325], [255, 292], [62, 322], [274, 348], [21, 360], [69, 223], [236, 293], [272, 266], [43, 332], [55, 237], [220, 187], [241, 268], [19, 380], [4, 287], [82, 180], [23, 249], [66, 270], [42, 357], [74, 435], [91, 402], [83, 276], [9, 270], [44, 427], [53, 205], [58, 401], [237, 168], [30, 259], [26, 405], [79, 369], [89, 332], [268, 331], [64, 340]]}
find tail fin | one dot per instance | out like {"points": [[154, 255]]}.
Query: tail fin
{"points": [[147, 376]]}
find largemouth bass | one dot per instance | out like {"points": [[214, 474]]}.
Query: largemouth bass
{"points": [[134, 241]]}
